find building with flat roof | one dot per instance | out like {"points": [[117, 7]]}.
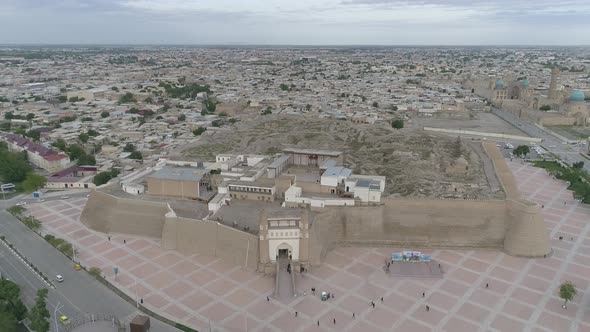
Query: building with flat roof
{"points": [[183, 182]]}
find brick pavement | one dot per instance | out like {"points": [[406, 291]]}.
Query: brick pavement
{"points": [[202, 291]]}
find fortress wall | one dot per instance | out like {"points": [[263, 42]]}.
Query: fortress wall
{"points": [[400, 222], [190, 236], [526, 234], [505, 176], [106, 213]]}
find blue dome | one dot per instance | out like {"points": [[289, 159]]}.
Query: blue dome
{"points": [[500, 84], [577, 95], [525, 83]]}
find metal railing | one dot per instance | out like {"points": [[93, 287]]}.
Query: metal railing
{"points": [[91, 318]]}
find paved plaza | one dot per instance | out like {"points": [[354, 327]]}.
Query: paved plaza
{"points": [[202, 291]]}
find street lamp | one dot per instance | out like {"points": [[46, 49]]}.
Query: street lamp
{"points": [[57, 307]]}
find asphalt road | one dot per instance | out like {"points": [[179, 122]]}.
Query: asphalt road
{"points": [[553, 144], [79, 293]]}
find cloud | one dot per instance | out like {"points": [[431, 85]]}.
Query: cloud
{"points": [[296, 21]]}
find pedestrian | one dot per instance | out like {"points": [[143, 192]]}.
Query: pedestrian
{"points": [[423, 294], [304, 293], [427, 308], [295, 313], [109, 237], [439, 265], [334, 321], [313, 290], [487, 285], [124, 241], [353, 315], [141, 300], [267, 299], [318, 323], [542, 206], [381, 298], [332, 295]]}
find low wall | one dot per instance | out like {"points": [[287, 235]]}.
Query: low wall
{"points": [[190, 236], [479, 133]]}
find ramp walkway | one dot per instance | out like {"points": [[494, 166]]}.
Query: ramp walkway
{"points": [[285, 281]]}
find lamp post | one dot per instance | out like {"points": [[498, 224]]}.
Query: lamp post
{"points": [[57, 307]]}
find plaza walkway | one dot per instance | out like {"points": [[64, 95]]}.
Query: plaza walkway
{"points": [[202, 291]]}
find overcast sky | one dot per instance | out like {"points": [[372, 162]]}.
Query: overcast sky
{"points": [[296, 22]]}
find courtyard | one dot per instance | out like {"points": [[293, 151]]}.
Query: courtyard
{"points": [[204, 292]]}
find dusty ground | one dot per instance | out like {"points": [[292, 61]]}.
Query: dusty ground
{"points": [[571, 132], [484, 122], [416, 164]]}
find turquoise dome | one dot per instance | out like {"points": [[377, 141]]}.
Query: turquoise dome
{"points": [[525, 83], [577, 95], [500, 84]]}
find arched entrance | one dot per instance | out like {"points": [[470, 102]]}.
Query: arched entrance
{"points": [[284, 250]]}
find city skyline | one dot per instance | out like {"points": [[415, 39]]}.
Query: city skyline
{"points": [[326, 22]]}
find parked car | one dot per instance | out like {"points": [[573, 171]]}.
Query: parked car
{"points": [[65, 197], [59, 278]]}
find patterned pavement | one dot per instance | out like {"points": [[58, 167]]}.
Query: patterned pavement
{"points": [[204, 292]]}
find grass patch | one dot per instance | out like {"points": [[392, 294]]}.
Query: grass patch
{"points": [[578, 178], [184, 328]]}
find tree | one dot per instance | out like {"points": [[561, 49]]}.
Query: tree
{"points": [[34, 134], [33, 182], [129, 147], [11, 306], [93, 133], [578, 165], [127, 98], [60, 144], [39, 312], [148, 100], [136, 155], [30, 116], [267, 111], [375, 104], [397, 124], [199, 131], [8, 321], [181, 117], [104, 114], [567, 291], [545, 108], [83, 137], [62, 99], [13, 166], [8, 116], [284, 87], [522, 150], [114, 88], [75, 151], [393, 107], [86, 160], [104, 177]]}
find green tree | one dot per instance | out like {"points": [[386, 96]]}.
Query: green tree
{"points": [[567, 291], [181, 117], [267, 111], [34, 134], [86, 160], [129, 147], [522, 151], [8, 321], [148, 100], [13, 166], [375, 104], [102, 178], [60, 144], [8, 115], [62, 99], [30, 116], [114, 88], [75, 151], [136, 155], [33, 182], [39, 313], [104, 114], [545, 108], [83, 137], [10, 302], [397, 124], [284, 87], [93, 133], [199, 131], [578, 165], [127, 98]]}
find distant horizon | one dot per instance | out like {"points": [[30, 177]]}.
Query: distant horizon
{"points": [[206, 45]]}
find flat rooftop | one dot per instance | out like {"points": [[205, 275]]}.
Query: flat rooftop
{"points": [[179, 173]]}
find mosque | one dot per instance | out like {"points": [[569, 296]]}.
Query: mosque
{"points": [[556, 106]]}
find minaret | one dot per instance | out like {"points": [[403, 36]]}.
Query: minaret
{"points": [[553, 92]]}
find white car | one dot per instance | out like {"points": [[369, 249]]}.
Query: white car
{"points": [[59, 278], [21, 203], [65, 197]]}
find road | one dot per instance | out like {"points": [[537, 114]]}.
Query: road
{"points": [[553, 144], [79, 293]]}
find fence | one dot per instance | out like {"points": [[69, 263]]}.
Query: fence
{"points": [[91, 318]]}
